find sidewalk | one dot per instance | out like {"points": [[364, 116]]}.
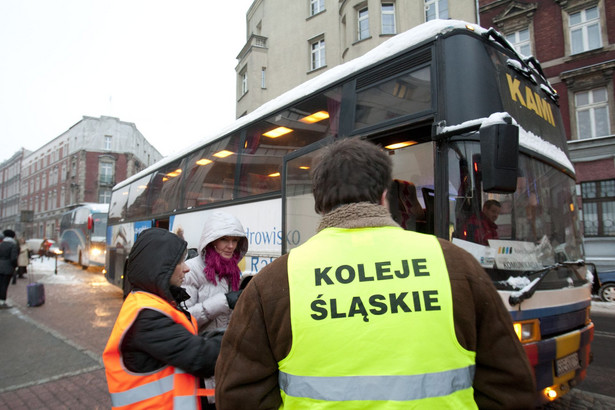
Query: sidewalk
{"points": [[50, 356]]}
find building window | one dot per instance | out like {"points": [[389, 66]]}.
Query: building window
{"points": [[362, 24], [107, 142], [520, 40], [104, 196], [106, 173], [244, 80], [316, 6], [388, 18], [585, 30], [263, 78], [318, 54], [592, 111], [436, 9], [599, 207]]}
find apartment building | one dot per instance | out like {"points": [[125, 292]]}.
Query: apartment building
{"points": [[10, 183], [289, 42], [574, 40], [80, 165]]}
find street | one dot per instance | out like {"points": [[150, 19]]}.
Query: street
{"points": [[51, 353]]}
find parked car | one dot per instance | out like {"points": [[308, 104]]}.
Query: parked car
{"points": [[604, 286], [36, 248]]}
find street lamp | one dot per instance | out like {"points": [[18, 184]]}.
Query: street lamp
{"points": [[56, 252]]}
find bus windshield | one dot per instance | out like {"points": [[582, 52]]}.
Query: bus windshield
{"points": [[539, 219], [100, 225]]}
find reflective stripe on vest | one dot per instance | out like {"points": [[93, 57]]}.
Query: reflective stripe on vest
{"points": [[398, 388], [145, 391], [165, 388], [372, 324]]}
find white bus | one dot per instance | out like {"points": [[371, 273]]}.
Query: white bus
{"points": [[83, 231], [465, 119]]}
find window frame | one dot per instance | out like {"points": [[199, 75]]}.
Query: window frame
{"points": [[519, 44], [243, 78], [316, 7], [438, 12], [390, 13], [583, 26], [318, 48], [108, 141], [599, 201], [106, 166], [362, 23], [591, 107]]}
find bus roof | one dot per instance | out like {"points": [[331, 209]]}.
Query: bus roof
{"points": [[392, 46]]}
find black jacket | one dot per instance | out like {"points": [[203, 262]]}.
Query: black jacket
{"points": [[9, 250], [154, 340]]}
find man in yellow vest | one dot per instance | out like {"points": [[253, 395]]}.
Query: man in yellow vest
{"points": [[366, 315], [154, 357]]}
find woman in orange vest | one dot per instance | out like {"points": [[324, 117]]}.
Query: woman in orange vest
{"points": [[154, 356]]}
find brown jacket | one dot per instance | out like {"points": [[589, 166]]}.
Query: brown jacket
{"points": [[259, 334]]}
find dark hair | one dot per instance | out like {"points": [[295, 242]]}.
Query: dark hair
{"points": [[348, 171], [491, 202], [8, 232]]}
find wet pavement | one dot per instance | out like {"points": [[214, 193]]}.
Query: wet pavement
{"points": [[50, 356]]}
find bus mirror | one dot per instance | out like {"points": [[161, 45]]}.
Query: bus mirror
{"points": [[90, 223], [499, 146]]}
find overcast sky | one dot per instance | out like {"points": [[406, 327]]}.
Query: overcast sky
{"points": [[166, 66]]}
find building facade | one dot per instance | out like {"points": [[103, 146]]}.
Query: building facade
{"points": [[80, 165], [290, 42], [10, 183], [574, 40]]}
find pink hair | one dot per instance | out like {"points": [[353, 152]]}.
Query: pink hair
{"points": [[222, 268]]}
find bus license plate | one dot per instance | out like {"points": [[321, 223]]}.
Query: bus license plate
{"points": [[567, 364]]}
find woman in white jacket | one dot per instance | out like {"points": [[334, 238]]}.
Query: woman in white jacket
{"points": [[214, 273], [214, 277]]}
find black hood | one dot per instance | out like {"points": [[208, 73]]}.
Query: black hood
{"points": [[153, 259]]}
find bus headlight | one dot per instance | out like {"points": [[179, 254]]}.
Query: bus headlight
{"points": [[95, 251], [527, 331]]}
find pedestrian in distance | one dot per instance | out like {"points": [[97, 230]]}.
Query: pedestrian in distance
{"points": [[155, 356], [22, 260], [367, 315], [214, 280], [9, 250]]}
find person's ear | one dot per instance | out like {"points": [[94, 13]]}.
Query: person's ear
{"points": [[384, 201]]}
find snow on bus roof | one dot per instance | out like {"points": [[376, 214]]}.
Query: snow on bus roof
{"points": [[527, 139], [390, 47]]}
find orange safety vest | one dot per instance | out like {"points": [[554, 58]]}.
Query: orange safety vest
{"points": [[168, 387]]}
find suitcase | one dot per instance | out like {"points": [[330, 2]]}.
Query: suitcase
{"points": [[36, 294]]}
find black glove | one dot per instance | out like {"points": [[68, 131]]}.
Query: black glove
{"points": [[245, 280], [232, 298]]}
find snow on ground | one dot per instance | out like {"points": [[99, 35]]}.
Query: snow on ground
{"points": [[43, 270]]}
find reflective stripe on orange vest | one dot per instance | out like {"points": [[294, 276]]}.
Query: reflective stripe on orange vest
{"points": [[167, 387]]}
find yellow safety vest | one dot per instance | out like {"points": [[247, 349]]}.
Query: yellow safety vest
{"points": [[165, 388], [372, 324]]}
